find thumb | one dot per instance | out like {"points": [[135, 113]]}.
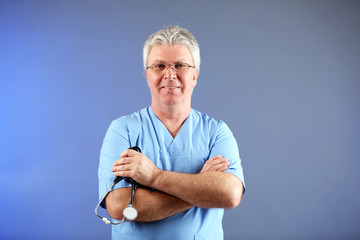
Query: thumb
{"points": [[128, 153]]}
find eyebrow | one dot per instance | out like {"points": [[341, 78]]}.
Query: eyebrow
{"points": [[181, 60]]}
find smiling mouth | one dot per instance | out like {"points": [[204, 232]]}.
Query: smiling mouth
{"points": [[170, 87]]}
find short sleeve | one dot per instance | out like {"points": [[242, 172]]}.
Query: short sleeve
{"points": [[115, 142], [225, 145]]}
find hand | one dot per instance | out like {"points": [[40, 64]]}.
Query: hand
{"points": [[215, 164], [137, 166]]}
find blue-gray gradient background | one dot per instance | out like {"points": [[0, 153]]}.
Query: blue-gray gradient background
{"points": [[284, 75]]}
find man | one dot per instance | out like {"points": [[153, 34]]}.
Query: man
{"points": [[189, 165]]}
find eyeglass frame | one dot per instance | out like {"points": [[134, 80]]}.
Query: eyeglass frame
{"points": [[167, 66]]}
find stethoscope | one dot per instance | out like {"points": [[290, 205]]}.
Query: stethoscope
{"points": [[129, 213]]}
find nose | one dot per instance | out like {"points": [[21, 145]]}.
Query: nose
{"points": [[170, 73]]}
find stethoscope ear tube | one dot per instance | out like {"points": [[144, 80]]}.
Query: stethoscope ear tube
{"points": [[129, 213], [136, 149]]}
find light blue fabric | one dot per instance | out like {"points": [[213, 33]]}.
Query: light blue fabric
{"points": [[199, 139]]}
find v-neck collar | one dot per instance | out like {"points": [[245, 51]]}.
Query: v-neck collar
{"points": [[164, 132]]}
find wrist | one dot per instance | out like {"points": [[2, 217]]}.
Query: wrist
{"points": [[156, 178]]}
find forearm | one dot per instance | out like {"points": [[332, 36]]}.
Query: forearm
{"points": [[207, 190], [155, 205], [151, 205]]}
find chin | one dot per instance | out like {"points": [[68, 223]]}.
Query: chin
{"points": [[171, 100], [170, 103]]}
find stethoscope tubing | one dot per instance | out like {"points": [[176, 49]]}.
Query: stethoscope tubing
{"points": [[133, 188]]}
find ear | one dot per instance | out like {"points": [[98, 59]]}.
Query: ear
{"points": [[146, 76], [196, 74]]}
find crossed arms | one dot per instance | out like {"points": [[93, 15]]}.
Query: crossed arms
{"points": [[175, 192]]}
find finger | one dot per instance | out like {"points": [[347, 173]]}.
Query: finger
{"points": [[217, 167], [212, 166], [222, 169], [123, 173], [224, 161], [216, 161], [124, 167], [216, 157], [122, 161], [125, 153], [220, 166], [129, 153]]}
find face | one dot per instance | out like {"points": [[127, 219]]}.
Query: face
{"points": [[169, 87]]}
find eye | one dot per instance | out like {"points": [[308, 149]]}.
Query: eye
{"points": [[181, 66], [159, 67]]}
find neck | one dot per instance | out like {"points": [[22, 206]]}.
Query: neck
{"points": [[172, 117]]}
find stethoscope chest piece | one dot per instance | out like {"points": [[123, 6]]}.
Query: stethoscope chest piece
{"points": [[130, 213]]}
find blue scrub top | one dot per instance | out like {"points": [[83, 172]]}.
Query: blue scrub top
{"points": [[199, 139]]}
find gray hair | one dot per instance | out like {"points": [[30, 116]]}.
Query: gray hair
{"points": [[173, 35]]}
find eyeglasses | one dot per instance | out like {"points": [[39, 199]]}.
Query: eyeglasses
{"points": [[177, 67]]}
